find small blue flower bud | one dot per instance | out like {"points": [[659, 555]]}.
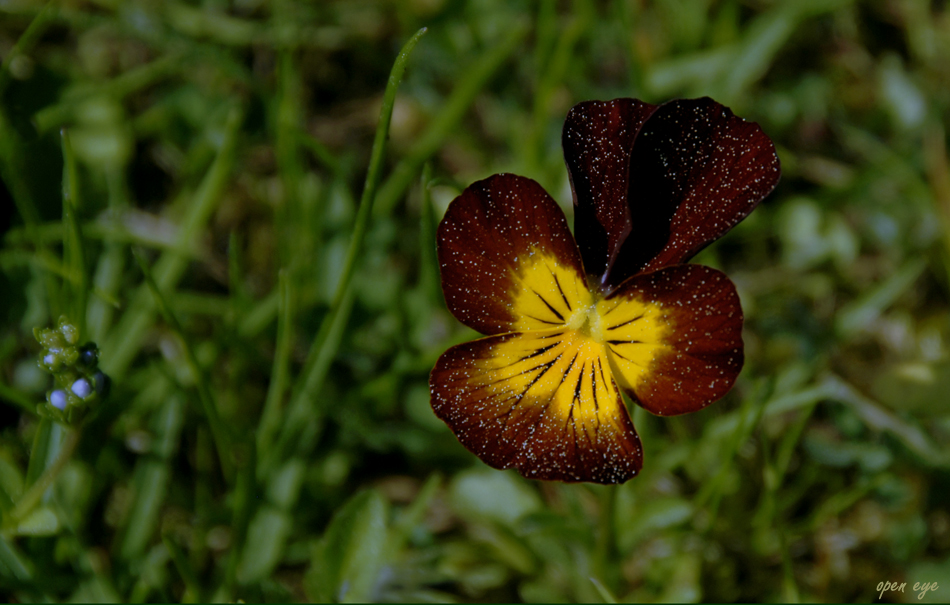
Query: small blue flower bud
{"points": [[81, 388], [88, 356], [58, 399], [102, 383]]}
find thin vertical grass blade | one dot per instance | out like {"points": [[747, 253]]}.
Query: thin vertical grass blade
{"points": [[328, 338]]}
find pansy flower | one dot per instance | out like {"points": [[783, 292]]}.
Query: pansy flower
{"points": [[571, 322]]}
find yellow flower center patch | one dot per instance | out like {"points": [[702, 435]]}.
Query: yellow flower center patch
{"points": [[575, 338], [546, 294]]}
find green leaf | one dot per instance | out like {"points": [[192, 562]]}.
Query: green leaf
{"points": [[917, 387], [652, 516], [284, 485], [266, 537], [493, 495], [41, 522], [348, 558]]}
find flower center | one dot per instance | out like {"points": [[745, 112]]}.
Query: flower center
{"points": [[587, 321]]}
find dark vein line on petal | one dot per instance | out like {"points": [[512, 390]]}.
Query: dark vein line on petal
{"points": [[559, 289], [626, 322], [593, 385], [537, 378], [544, 321], [553, 310], [614, 351], [494, 382]]}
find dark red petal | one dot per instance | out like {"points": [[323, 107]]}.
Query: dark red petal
{"points": [[597, 139], [674, 337], [542, 402], [696, 170], [507, 258]]}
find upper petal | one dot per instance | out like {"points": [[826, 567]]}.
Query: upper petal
{"points": [[542, 402], [507, 258], [597, 139], [674, 337], [696, 170]]}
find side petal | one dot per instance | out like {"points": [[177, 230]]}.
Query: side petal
{"points": [[542, 402], [507, 258], [696, 170], [674, 337], [597, 139]]}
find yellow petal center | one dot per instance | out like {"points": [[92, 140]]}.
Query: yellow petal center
{"points": [[588, 322], [627, 331]]}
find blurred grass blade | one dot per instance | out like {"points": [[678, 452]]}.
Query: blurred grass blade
{"points": [[375, 167], [40, 451], [323, 155], [149, 487], [13, 563], [14, 169], [272, 526], [61, 443], [125, 339], [428, 261], [550, 82], [938, 177], [11, 395], [280, 372], [152, 476], [767, 34], [413, 515], [236, 289], [109, 271], [605, 546], [116, 88], [682, 72], [183, 565], [24, 45], [324, 347], [881, 419], [748, 417], [790, 592], [261, 314], [73, 257], [303, 409], [728, 72], [446, 121], [859, 313], [219, 431], [602, 591], [245, 496]]}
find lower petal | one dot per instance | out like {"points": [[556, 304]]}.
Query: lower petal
{"points": [[543, 402], [674, 337]]}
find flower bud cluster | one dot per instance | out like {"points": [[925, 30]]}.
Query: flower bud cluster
{"points": [[78, 383]]}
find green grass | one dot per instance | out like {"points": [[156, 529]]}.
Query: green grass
{"points": [[213, 193]]}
